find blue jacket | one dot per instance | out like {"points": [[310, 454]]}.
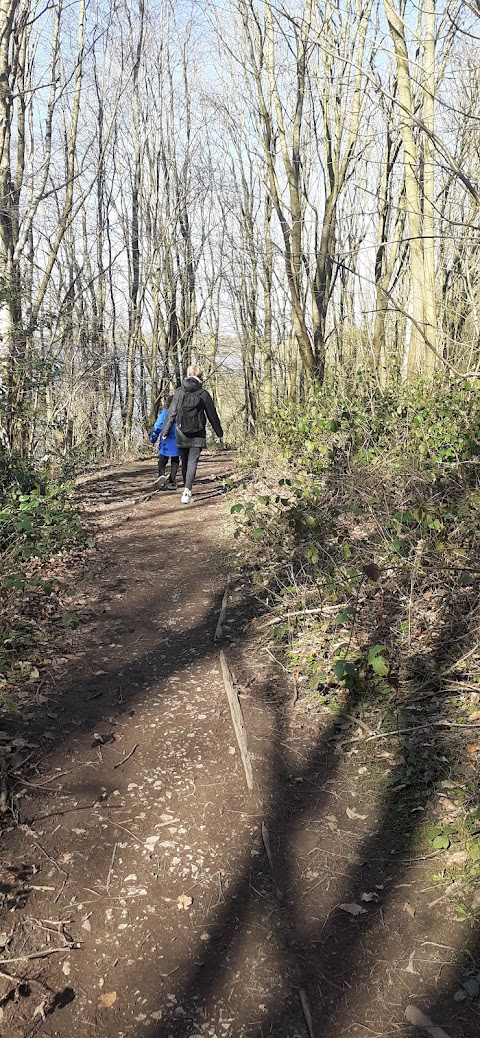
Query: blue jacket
{"points": [[166, 447]]}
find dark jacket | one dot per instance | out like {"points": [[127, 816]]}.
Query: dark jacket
{"points": [[207, 410]]}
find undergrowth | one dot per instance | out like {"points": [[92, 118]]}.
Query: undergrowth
{"points": [[360, 534], [39, 530]]}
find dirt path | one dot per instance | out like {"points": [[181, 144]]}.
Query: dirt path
{"points": [[165, 898]]}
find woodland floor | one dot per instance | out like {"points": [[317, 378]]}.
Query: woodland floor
{"points": [[131, 795]]}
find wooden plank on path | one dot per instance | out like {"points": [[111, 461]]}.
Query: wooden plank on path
{"points": [[237, 718]]}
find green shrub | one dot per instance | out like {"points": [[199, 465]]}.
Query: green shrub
{"points": [[416, 422], [39, 522]]}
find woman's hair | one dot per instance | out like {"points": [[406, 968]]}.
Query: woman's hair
{"points": [[168, 399], [195, 370]]}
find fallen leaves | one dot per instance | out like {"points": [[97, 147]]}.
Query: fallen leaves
{"points": [[184, 902], [458, 858], [409, 909], [107, 1000], [395, 759], [476, 901], [351, 813], [40, 1010], [353, 909]]}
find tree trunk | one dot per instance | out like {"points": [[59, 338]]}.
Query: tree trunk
{"points": [[430, 315]]}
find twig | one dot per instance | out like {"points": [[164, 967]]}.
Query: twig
{"points": [[237, 718], [79, 807], [111, 866], [9, 976], [306, 1011], [62, 888], [56, 926], [40, 954], [278, 662], [419, 857], [360, 723], [456, 724], [3, 786], [57, 866], [223, 612], [38, 785], [124, 759], [298, 612], [421, 728], [125, 830], [266, 844], [452, 889]]}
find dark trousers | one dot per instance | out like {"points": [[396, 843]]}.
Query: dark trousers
{"points": [[162, 464], [189, 457]]}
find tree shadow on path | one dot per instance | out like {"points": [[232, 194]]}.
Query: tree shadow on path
{"points": [[355, 973]]}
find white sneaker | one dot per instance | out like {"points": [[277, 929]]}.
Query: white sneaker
{"points": [[186, 497]]}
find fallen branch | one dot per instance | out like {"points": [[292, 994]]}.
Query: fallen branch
{"points": [[237, 718], [418, 1019]]}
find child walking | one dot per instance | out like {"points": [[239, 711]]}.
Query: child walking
{"points": [[167, 448]]}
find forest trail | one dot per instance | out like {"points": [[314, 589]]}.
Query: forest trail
{"points": [[162, 897]]}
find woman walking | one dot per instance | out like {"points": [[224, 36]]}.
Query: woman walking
{"points": [[190, 408]]}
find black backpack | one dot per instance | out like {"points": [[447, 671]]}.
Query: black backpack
{"points": [[189, 414]]}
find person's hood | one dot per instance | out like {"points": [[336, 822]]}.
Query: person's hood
{"points": [[191, 384]]}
